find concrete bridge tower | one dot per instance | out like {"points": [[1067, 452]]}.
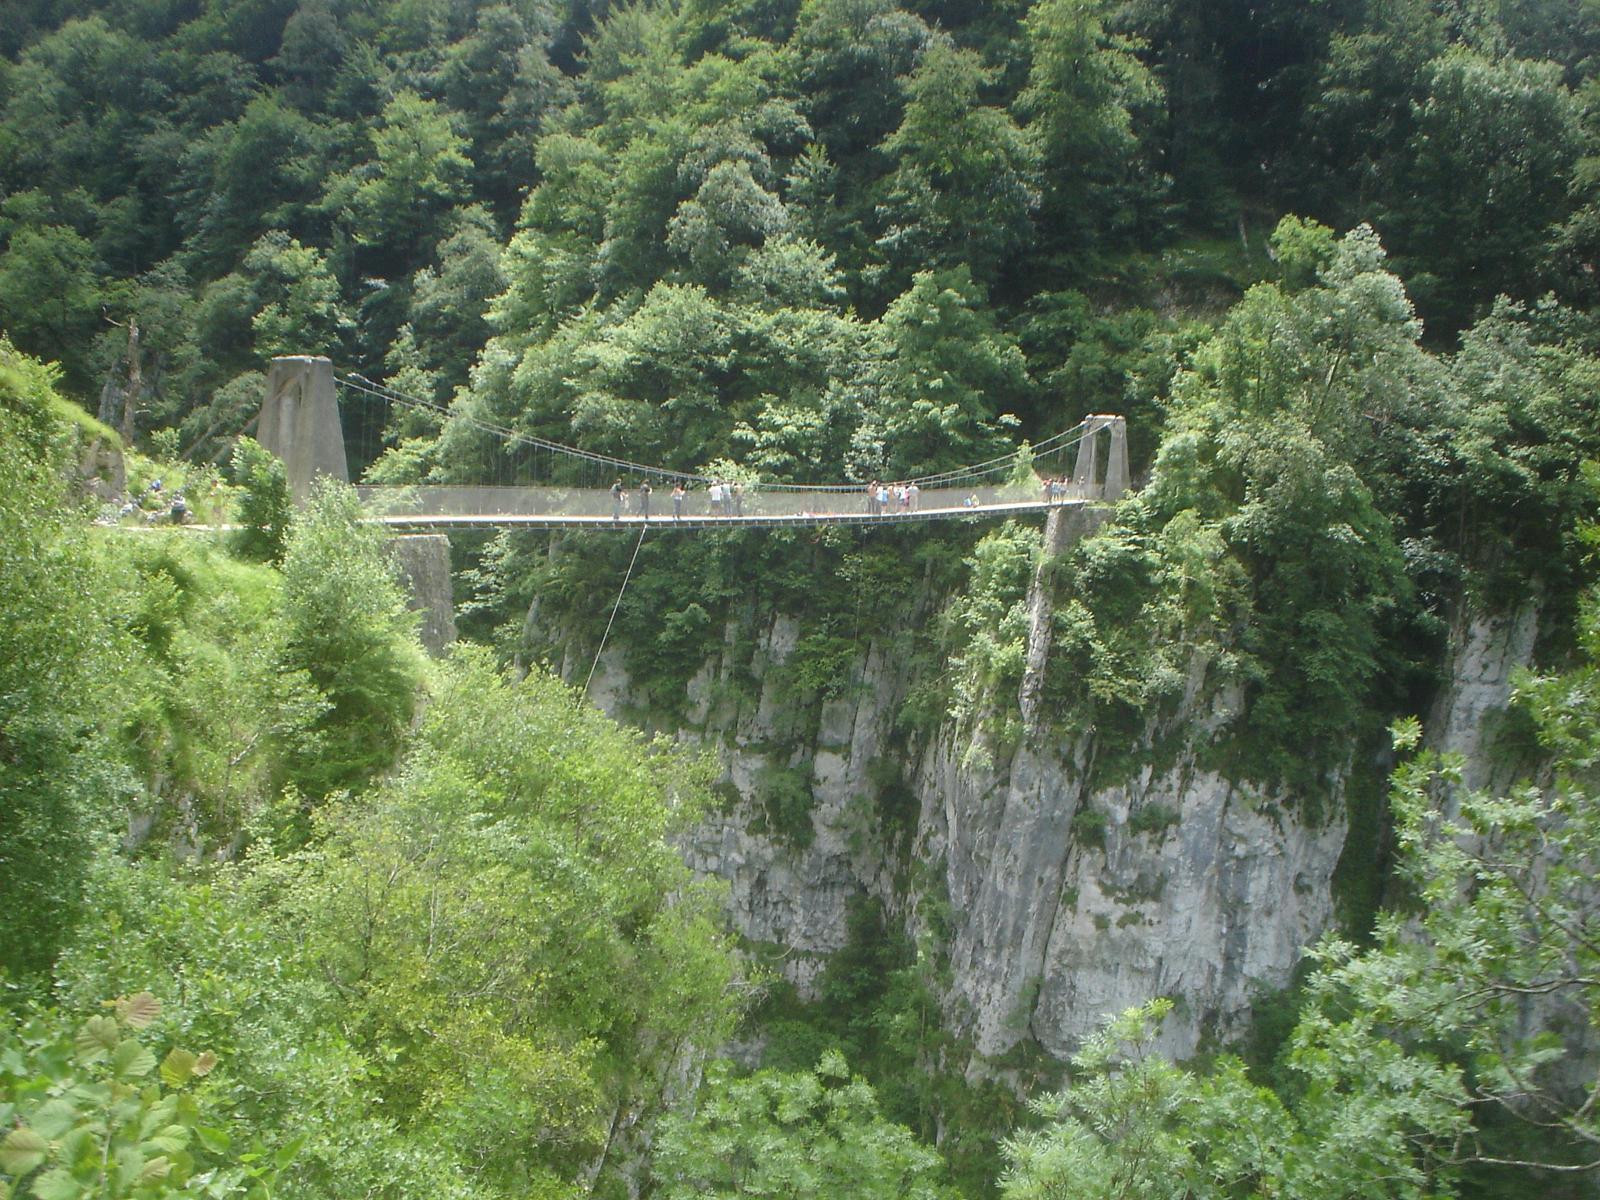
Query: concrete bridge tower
{"points": [[1116, 464], [300, 422]]}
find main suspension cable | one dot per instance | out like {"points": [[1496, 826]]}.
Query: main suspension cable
{"points": [[362, 384], [1055, 444]]}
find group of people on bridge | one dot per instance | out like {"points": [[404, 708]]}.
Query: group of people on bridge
{"points": [[1055, 488], [726, 499], [883, 498]]}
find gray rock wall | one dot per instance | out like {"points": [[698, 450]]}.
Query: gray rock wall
{"points": [[1054, 932], [1050, 931], [1485, 651], [424, 562]]}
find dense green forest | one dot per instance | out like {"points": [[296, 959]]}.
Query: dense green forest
{"points": [[290, 908], [759, 230]]}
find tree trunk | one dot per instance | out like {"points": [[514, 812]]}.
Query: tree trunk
{"points": [[130, 401]]}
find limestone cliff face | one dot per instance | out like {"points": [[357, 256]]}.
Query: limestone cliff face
{"points": [[1485, 650], [1177, 883], [424, 563], [1053, 933]]}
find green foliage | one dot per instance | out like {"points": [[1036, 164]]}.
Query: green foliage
{"points": [[948, 373], [1527, 428], [857, 977], [466, 971], [351, 147], [1360, 111], [1483, 219], [987, 625], [300, 311], [1086, 85], [452, 295], [516, 946], [784, 794], [1411, 1062], [1370, 1121], [62, 649], [49, 295], [819, 666], [792, 239], [879, 1004], [347, 628], [214, 716], [1089, 828], [1502, 884], [417, 171], [1258, 555], [849, 57], [264, 508], [451, 982], [730, 212], [961, 191], [814, 1134], [1090, 360], [89, 1113], [682, 590], [260, 173], [1152, 818], [1261, 564], [1303, 249]]}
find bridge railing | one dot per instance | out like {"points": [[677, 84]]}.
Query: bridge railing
{"points": [[429, 500]]}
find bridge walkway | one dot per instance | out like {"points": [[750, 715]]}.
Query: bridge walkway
{"points": [[665, 520]]}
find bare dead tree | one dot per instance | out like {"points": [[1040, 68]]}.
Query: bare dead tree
{"points": [[130, 398]]}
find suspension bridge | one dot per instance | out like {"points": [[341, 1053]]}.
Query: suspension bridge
{"points": [[539, 483]]}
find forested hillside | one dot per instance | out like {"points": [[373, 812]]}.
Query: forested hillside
{"points": [[1292, 750], [752, 210]]}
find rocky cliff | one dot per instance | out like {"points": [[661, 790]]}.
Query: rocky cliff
{"points": [[1060, 901], [424, 564], [1485, 652]]}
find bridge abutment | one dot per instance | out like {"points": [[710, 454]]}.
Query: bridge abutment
{"points": [[300, 422]]}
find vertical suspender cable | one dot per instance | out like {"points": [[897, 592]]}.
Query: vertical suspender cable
{"points": [[643, 528]]}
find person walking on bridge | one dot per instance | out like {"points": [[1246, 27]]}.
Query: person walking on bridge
{"points": [[677, 501], [617, 493], [738, 499], [644, 498]]}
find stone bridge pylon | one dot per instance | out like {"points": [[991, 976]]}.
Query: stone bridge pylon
{"points": [[300, 422], [1086, 473]]}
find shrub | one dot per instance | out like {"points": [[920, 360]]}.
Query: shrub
{"points": [[264, 509], [1152, 818], [1089, 827]]}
